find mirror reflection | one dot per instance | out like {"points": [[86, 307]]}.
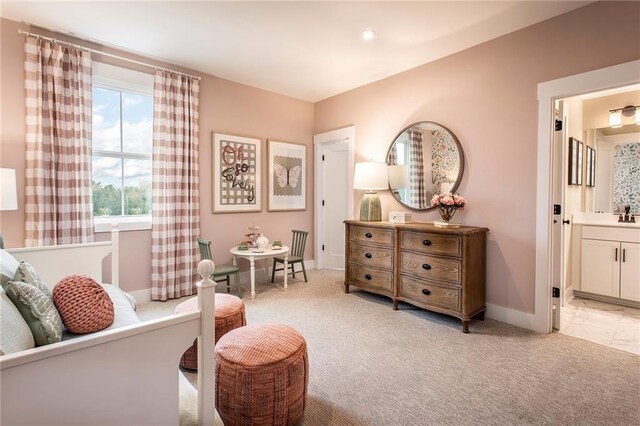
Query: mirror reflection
{"points": [[617, 177], [424, 159]]}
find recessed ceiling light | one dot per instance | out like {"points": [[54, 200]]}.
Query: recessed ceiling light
{"points": [[368, 34]]}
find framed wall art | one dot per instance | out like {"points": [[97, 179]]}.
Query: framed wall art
{"points": [[575, 162], [236, 174], [287, 176], [590, 165]]}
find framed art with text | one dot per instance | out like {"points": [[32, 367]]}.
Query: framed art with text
{"points": [[287, 168], [236, 174], [590, 165], [575, 162]]}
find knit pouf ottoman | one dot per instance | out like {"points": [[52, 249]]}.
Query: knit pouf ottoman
{"points": [[230, 314], [262, 373]]}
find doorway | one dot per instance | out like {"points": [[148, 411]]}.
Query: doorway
{"points": [[333, 194], [593, 301]]}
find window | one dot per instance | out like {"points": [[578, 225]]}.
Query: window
{"points": [[122, 148]]}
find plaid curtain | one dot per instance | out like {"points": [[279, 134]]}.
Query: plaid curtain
{"points": [[418, 197], [58, 208], [176, 198], [392, 158]]}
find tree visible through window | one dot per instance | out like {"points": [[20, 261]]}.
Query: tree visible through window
{"points": [[122, 146]]}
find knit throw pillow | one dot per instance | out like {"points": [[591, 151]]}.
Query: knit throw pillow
{"points": [[85, 307]]}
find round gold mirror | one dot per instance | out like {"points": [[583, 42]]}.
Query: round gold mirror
{"points": [[424, 159]]}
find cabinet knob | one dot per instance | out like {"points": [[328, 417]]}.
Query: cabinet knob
{"points": [[367, 255], [426, 291], [426, 242], [368, 235], [426, 266], [368, 276]]}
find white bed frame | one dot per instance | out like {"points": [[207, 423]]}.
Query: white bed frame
{"points": [[125, 376]]}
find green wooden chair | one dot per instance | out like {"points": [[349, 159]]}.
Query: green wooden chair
{"points": [[221, 270], [296, 255]]}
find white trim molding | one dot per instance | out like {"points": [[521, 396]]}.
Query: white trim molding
{"points": [[549, 91], [510, 316]]}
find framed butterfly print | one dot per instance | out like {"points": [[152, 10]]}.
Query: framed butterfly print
{"points": [[287, 176], [236, 174]]}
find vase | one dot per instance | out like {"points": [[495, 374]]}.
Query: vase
{"points": [[446, 213]]}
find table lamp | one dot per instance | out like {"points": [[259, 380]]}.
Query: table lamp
{"points": [[371, 176], [8, 193]]}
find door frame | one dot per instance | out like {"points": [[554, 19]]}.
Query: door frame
{"points": [[347, 134], [578, 84]]}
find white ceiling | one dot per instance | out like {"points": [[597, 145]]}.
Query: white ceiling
{"points": [[308, 50]]}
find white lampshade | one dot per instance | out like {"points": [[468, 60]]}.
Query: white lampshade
{"points": [[615, 118], [370, 176], [8, 192], [398, 176]]}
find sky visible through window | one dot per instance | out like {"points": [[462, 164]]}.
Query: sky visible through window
{"points": [[131, 136]]}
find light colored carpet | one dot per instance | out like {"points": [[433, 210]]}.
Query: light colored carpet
{"points": [[370, 365]]}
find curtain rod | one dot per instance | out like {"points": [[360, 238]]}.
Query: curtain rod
{"points": [[110, 55]]}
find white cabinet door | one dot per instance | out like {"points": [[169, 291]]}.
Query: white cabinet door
{"points": [[630, 272], [601, 267]]}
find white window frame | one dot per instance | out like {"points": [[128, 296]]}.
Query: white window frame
{"points": [[123, 80]]}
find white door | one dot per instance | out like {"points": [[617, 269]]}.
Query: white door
{"points": [[335, 188], [556, 229], [601, 267], [630, 272], [333, 194]]}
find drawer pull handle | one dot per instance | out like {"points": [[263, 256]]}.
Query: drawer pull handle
{"points": [[426, 291], [368, 235], [616, 255], [426, 242], [426, 266], [368, 276], [368, 255]]}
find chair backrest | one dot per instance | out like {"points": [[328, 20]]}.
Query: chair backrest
{"points": [[298, 243], [205, 249]]}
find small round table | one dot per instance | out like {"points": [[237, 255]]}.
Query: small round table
{"points": [[253, 254]]}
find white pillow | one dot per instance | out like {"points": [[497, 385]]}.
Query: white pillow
{"points": [[8, 267], [16, 335]]}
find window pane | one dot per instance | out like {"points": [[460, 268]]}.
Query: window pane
{"points": [[107, 186], [137, 123], [137, 191], [106, 119]]}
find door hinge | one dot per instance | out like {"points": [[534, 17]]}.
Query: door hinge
{"points": [[322, 157], [557, 209], [323, 247], [558, 125], [323, 202], [555, 292]]}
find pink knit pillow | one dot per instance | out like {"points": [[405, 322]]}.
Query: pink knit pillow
{"points": [[83, 304]]}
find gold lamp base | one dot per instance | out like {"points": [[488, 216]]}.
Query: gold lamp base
{"points": [[370, 207]]}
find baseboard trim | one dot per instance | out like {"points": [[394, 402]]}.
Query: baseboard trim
{"points": [[144, 295], [511, 316], [608, 299]]}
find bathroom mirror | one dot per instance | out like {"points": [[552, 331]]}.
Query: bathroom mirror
{"points": [[616, 183], [425, 158]]}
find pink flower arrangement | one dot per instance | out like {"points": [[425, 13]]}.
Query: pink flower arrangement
{"points": [[448, 200]]}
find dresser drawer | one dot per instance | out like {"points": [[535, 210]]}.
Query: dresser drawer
{"points": [[371, 234], [431, 267], [431, 243], [375, 280], [371, 255], [425, 293]]}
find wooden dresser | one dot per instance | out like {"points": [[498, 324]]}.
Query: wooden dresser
{"points": [[439, 269]]}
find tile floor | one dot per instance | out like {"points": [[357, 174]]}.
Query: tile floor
{"points": [[604, 323]]}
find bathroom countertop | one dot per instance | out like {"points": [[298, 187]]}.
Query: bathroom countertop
{"points": [[588, 222]]}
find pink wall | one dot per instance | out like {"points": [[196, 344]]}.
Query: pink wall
{"points": [[487, 96], [225, 106]]}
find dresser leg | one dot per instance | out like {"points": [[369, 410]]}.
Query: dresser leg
{"points": [[481, 316], [346, 288], [465, 326], [395, 305]]}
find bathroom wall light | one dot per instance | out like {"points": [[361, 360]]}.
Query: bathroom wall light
{"points": [[615, 115]]}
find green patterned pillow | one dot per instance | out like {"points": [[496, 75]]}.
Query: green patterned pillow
{"points": [[38, 311], [28, 274]]}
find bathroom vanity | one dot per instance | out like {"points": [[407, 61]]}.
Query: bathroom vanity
{"points": [[609, 261]]}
